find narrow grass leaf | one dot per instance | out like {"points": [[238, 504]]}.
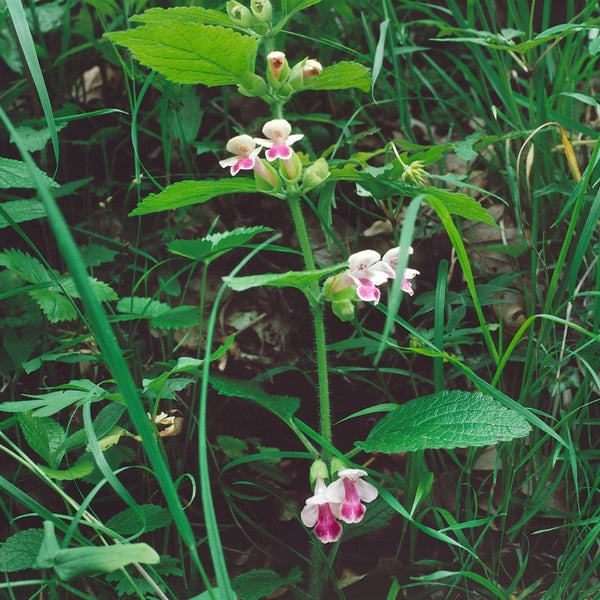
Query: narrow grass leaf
{"points": [[25, 39], [379, 53], [97, 320]]}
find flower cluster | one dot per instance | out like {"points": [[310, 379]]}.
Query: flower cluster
{"points": [[367, 270], [278, 142], [285, 80], [341, 500]]}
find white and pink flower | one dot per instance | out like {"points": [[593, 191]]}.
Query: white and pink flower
{"points": [[279, 139], [341, 500], [391, 258], [322, 514], [245, 152], [367, 271], [350, 491]]}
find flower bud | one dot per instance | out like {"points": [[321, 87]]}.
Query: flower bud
{"points": [[318, 470], [239, 13], [262, 10], [311, 68], [266, 177], [291, 169], [337, 465], [316, 173], [278, 65], [305, 69]]}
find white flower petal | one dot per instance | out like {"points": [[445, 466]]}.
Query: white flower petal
{"points": [[277, 129], [362, 259], [241, 145], [352, 474], [292, 139], [366, 491], [229, 162], [310, 514], [335, 491]]}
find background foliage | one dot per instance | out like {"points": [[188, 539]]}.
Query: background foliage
{"points": [[118, 228]]}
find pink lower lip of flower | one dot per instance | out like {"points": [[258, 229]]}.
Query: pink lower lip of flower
{"points": [[283, 151], [327, 529], [352, 509], [242, 163], [368, 291]]}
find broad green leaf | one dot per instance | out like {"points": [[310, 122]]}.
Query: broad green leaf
{"points": [[86, 560], [186, 193], [16, 174], [214, 245], [129, 521], [341, 76], [283, 407], [460, 205], [189, 53], [52, 300], [55, 306], [18, 552], [145, 308], [26, 266], [260, 583], [184, 14], [103, 291], [105, 420], [81, 468], [45, 436], [297, 279], [21, 210], [74, 562], [45, 405], [95, 255], [184, 365], [178, 316], [160, 314], [448, 419], [35, 139]]}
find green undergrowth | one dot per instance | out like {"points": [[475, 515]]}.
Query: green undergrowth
{"points": [[179, 346]]}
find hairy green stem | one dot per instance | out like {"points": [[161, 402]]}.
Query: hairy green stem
{"points": [[318, 321]]}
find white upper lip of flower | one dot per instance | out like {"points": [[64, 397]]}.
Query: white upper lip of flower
{"points": [[279, 133], [242, 146]]}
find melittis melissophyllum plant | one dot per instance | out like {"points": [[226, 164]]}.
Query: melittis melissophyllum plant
{"points": [[193, 45]]}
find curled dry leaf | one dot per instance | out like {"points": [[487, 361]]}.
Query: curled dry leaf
{"points": [[379, 228]]}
